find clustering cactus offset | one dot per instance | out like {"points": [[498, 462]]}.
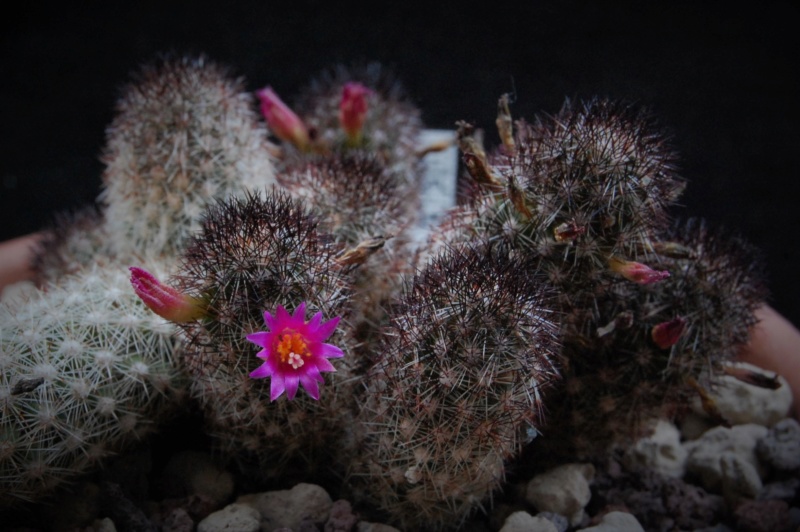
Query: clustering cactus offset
{"points": [[87, 370], [70, 242], [387, 126], [185, 133], [253, 255], [457, 390], [648, 351], [587, 193], [357, 163]]}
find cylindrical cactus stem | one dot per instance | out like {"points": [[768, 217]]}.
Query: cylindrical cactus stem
{"points": [[87, 370], [470, 348], [599, 176], [185, 133], [368, 210], [257, 255], [351, 150], [648, 351]]}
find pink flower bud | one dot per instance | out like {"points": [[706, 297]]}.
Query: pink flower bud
{"points": [[636, 271], [667, 333], [353, 109], [164, 300], [282, 121]]}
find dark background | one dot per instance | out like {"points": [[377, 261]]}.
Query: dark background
{"points": [[721, 80]]}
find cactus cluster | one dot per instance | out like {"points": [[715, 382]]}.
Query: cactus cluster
{"points": [[651, 308], [87, 368], [561, 302]]}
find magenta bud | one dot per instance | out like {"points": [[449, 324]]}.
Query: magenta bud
{"points": [[164, 300], [667, 333], [353, 109], [282, 121]]}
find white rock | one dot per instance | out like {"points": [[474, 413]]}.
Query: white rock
{"points": [[525, 522], [739, 478], [780, 448], [705, 452], [741, 403], [564, 490], [616, 522], [288, 508], [234, 517], [364, 526], [662, 451]]}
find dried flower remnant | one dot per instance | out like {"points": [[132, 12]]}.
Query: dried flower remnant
{"points": [[294, 352]]}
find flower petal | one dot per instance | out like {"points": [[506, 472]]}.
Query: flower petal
{"points": [[327, 351], [259, 338], [276, 386], [281, 316], [298, 318], [291, 381], [325, 330], [261, 372], [312, 372], [270, 320], [310, 386], [322, 364], [315, 320]]}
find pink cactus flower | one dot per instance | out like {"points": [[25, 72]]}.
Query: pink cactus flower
{"points": [[667, 333], [353, 110], [164, 300], [282, 121], [636, 271], [294, 352]]}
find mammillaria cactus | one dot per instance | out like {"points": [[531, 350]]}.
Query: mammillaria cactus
{"points": [[252, 256], [72, 240], [457, 388], [185, 133], [86, 371], [587, 194], [558, 304], [352, 153], [86, 368]]}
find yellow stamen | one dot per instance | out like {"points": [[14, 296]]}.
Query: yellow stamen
{"points": [[291, 349]]}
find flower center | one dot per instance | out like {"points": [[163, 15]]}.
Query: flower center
{"points": [[291, 349]]}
